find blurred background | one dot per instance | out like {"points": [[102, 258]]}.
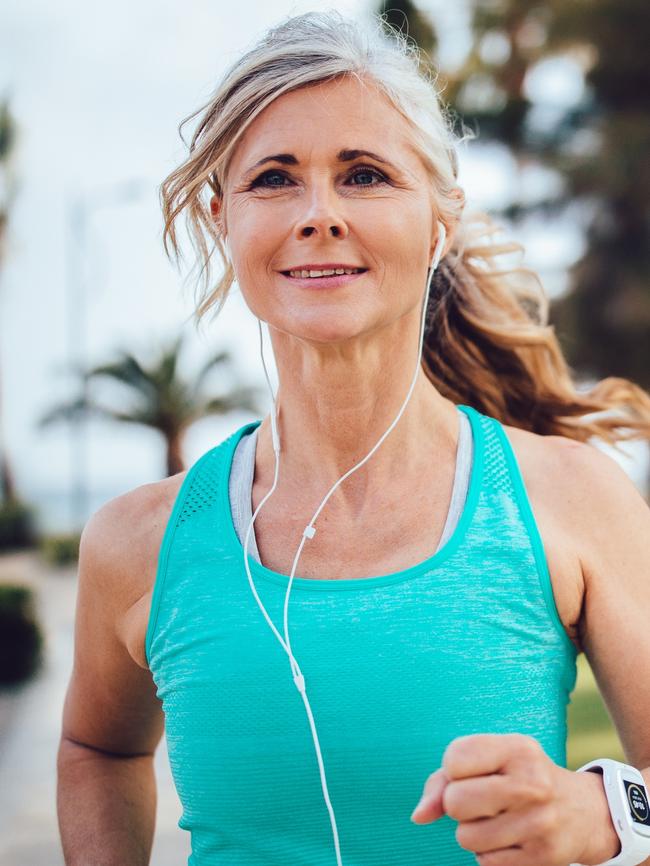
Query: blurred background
{"points": [[105, 384]]}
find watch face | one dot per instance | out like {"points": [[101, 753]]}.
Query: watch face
{"points": [[638, 802]]}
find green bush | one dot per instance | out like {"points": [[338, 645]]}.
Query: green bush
{"points": [[17, 528], [21, 637], [61, 549]]}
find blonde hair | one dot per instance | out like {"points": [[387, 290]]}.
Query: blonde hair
{"points": [[487, 340]]}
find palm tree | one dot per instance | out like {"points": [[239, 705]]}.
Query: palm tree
{"points": [[161, 399]]}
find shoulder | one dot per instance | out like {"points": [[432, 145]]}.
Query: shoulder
{"points": [[613, 516], [588, 490], [569, 466], [120, 541]]}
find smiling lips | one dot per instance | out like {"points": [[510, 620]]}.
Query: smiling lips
{"points": [[330, 278], [324, 275]]}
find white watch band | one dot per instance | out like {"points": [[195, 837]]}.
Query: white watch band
{"points": [[628, 806]]}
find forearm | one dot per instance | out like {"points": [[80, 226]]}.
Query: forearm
{"points": [[604, 840], [106, 807]]}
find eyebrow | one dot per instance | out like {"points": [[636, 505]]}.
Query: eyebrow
{"points": [[345, 155]]}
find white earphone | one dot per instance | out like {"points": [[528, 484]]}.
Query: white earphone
{"points": [[310, 529]]}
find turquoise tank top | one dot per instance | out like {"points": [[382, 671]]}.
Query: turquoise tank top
{"points": [[396, 666]]}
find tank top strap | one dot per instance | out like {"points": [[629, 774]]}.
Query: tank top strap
{"points": [[498, 458], [502, 478], [188, 535], [506, 512]]}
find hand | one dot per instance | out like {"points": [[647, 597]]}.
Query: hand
{"points": [[516, 807]]}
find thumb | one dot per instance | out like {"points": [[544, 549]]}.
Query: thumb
{"points": [[430, 806]]}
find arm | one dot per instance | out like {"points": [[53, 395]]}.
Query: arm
{"points": [[615, 556], [106, 806], [112, 719]]}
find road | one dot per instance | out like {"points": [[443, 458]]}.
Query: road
{"points": [[30, 723]]}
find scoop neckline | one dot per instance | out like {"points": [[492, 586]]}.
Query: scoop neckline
{"points": [[358, 583]]}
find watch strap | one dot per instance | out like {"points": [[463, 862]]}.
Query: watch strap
{"points": [[635, 846]]}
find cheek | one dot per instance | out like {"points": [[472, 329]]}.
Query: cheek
{"points": [[410, 239], [255, 255]]}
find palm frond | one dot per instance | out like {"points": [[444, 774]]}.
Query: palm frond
{"points": [[127, 370], [82, 408]]}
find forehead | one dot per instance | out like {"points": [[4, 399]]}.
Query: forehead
{"points": [[324, 118]]}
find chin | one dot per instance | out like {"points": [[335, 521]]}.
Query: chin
{"points": [[324, 328]]}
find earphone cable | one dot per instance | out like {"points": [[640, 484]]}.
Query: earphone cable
{"points": [[310, 530]]}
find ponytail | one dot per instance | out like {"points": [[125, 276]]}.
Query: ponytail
{"points": [[488, 344]]}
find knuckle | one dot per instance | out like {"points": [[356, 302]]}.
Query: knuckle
{"points": [[452, 754], [543, 824], [464, 836], [536, 789], [538, 779], [450, 800], [529, 745], [545, 781]]}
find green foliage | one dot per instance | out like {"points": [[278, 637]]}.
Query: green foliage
{"points": [[17, 529], [61, 549], [21, 637]]}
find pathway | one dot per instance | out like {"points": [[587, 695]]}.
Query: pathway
{"points": [[30, 723]]}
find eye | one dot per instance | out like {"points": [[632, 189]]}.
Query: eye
{"points": [[369, 171], [271, 173], [359, 170]]}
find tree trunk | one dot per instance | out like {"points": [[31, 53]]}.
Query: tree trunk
{"points": [[175, 461]]}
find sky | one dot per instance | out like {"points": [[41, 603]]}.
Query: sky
{"points": [[98, 92]]}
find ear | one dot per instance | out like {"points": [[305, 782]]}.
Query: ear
{"points": [[215, 207], [450, 227]]}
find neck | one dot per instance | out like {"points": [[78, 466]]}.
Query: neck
{"points": [[330, 425]]}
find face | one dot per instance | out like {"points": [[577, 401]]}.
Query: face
{"points": [[323, 203]]}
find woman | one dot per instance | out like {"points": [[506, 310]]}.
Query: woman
{"points": [[454, 576]]}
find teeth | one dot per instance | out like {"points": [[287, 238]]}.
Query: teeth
{"points": [[324, 273]]}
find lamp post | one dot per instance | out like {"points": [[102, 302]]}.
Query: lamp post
{"points": [[80, 210]]}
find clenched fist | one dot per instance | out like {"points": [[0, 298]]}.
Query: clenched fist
{"points": [[516, 807]]}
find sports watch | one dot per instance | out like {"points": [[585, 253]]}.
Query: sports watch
{"points": [[628, 805]]}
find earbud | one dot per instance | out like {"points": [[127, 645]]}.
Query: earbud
{"points": [[442, 237]]}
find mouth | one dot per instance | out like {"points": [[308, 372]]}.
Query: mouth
{"points": [[329, 278]]}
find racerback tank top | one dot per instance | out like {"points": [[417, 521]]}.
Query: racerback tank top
{"points": [[396, 666]]}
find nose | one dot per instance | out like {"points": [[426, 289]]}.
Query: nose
{"points": [[321, 218]]}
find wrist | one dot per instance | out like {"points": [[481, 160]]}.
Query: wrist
{"points": [[602, 842]]}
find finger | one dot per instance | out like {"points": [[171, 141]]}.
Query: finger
{"points": [[505, 831], [430, 806], [484, 754], [481, 797]]}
